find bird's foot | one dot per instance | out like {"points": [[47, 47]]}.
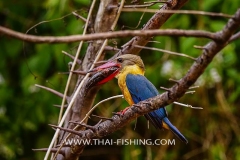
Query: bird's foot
{"points": [[123, 111]]}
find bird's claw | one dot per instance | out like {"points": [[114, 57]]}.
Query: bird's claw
{"points": [[122, 112]]}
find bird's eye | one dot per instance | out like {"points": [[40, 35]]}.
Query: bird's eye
{"points": [[120, 60]]}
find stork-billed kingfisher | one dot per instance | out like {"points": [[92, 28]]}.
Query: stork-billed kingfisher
{"points": [[136, 87]]}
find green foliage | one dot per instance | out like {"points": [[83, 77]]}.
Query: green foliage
{"points": [[25, 110]]}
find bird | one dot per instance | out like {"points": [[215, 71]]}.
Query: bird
{"points": [[136, 87]]}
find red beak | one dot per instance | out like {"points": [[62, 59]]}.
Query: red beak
{"points": [[104, 73], [105, 66]]}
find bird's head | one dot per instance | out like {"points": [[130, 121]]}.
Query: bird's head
{"points": [[121, 65], [129, 61], [125, 63]]}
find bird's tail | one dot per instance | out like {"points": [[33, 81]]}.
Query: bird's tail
{"points": [[174, 130]]}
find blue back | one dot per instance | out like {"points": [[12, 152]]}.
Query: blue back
{"points": [[141, 89]]}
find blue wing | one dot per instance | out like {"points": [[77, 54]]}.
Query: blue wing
{"points": [[141, 89]]}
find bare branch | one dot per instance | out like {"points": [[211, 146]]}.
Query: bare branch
{"points": [[190, 92], [51, 90], [78, 16], [193, 87], [187, 105], [136, 25], [72, 57], [46, 21], [146, 4], [79, 72], [59, 106], [173, 80], [166, 51], [107, 35], [166, 89], [110, 48], [107, 99], [179, 12], [174, 93], [198, 47], [235, 36], [65, 129]]}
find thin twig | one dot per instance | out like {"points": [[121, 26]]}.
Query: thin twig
{"points": [[59, 106], [165, 51], [78, 16], [72, 57], [155, 2], [234, 37], [154, 42], [190, 92], [198, 47], [149, 4], [193, 87], [96, 105], [164, 88], [187, 105], [173, 80], [213, 14], [79, 72], [47, 21], [100, 62], [110, 48], [64, 129], [51, 90], [138, 22]]}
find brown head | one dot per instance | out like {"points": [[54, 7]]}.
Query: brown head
{"points": [[127, 60], [122, 62]]}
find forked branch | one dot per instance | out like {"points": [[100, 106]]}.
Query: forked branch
{"points": [[174, 93]]}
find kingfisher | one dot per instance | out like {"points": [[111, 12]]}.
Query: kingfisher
{"points": [[129, 70]]}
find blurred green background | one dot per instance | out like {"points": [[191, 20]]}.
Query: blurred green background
{"points": [[26, 111]]}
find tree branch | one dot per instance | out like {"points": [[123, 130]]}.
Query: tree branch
{"points": [[107, 35], [177, 91]]}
